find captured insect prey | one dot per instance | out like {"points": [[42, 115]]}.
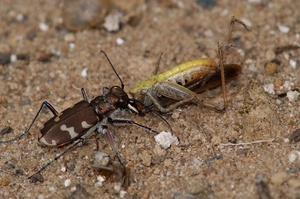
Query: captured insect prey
{"points": [[181, 84]]}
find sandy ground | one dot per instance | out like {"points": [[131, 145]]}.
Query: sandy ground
{"points": [[54, 70]]}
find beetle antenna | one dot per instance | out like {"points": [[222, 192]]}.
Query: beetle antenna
{"points": [[133, 101], [122, 84]]}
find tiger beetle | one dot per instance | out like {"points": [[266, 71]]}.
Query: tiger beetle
{"points": [[77, 122]]}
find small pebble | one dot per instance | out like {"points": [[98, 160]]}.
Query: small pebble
{"points": [[270, 54], [63, 169], [159, 151], [269, 88], [288, 85], [6, 130], [165, 139], [4, 181], [122, 193], [175, 114], [120, 41], [80, 14], [168, 163], [146, 158], [271, 68], [292, 95], [280, 178], [295, 137], [41, 196], [283, 29], [43, 26], [293, 63], [293, 156], [101, 159], [112, 22], [84, 72], [4, 58], [37, 177], [67, 182], [294, 183], [69, 37], [216, 140], [206, 3], [100, 180]]}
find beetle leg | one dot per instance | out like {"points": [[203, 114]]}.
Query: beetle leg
{"points": [[32, 177], [177, 92], [112, 143], [121, 121], [49, 106], [84, 95]]}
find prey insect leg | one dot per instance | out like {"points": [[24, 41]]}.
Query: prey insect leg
{"points": [[177, 92], [222, 53]]}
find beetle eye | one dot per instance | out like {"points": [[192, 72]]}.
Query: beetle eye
{"points": [[121, 95], [123, 101]]}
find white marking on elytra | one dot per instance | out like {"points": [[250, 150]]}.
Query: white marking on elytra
{"points": [[43, 140], [85, 125], [71, 131]]}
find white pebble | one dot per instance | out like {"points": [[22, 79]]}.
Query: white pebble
{"points": [[84, 72], [101, 159], [13, 58], [269, 88], [41, 196], [122, 193], [288, 85], [72, 45], [292, 95], [100, 180], [283, 29], [165, 139], [293, 156], [120, 41], [20, 17], [67, 182], [63, 169], [43, 26], [293, 63], [51, 188]]}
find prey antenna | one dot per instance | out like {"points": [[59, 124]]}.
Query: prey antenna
{"points": [[122, 84]]}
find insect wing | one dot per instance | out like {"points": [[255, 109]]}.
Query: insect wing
{"points": [[69, 125], [213, 80]]}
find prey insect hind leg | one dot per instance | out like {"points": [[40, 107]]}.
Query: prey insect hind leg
{"points": [[180, 93], [222, 53]]}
